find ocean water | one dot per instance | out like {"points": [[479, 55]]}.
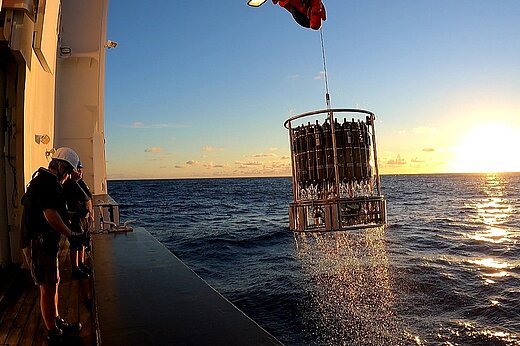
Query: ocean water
{"points": [[445, 272]]}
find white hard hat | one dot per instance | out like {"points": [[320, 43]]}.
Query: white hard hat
{"points": [[68, 155]]}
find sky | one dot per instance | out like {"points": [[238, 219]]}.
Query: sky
{"points": [[202, 88]]}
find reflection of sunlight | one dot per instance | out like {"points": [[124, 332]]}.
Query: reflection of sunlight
{"points": [[491, 268], [472, 330], [490, 263], [493, 210], [492, 235], [500, 274], [487, 148]]}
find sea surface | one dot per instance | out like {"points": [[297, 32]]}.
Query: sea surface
{"points": [[446, 271]]}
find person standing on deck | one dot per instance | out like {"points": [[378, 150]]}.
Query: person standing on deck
{"points": [[45, 220], [79, 206]]}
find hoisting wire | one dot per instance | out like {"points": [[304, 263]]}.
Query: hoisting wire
{"points": [[327, 95], [331, 117]]}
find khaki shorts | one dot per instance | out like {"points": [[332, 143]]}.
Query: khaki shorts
{"points": [[44, 267]]}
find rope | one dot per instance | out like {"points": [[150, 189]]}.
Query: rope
{"points": [[327, 95]]}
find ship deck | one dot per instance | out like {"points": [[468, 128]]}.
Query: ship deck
{"points": [[144, 295], [20, 318]]}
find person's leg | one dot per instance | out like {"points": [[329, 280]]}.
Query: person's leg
{"points": [[48, 304], [81, 256], [75, 249]]}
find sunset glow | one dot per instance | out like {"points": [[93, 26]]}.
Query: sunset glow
{"points": [[210, 87], [490, 147]]}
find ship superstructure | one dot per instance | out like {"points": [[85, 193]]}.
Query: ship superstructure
{"points": [[52, 61]]}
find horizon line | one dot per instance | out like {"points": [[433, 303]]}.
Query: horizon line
{"points": [[288, 176]]}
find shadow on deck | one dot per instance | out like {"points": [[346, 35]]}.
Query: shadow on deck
{"points": [[20, 318]]}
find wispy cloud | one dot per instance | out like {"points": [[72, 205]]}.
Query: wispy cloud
{"points": [[417, 160], [425, 130], [192, 163], [397, 161], [178, 166], [141, 125], [265, 155], [154, 150], [249, 163], [429, 150], [294, 76], [211, 165], [210, 149], [320, 76]]}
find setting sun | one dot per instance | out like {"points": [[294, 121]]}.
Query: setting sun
{"points": [[490, 147]]}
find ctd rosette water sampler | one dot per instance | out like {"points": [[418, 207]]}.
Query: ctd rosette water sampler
{"points": [[335, 176]]}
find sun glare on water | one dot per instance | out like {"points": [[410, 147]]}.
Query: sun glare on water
{"points": [[488, 148]]}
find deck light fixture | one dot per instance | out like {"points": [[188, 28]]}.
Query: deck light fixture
{"points": [[65, 51], [256, 3], [43, 139], [111, 44]]}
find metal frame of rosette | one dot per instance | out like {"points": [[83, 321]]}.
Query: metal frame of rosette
{"points": [[335, 176]]}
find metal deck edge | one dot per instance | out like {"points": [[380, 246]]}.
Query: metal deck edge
{"points": [[145, 295]]}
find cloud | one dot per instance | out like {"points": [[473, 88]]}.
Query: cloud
{"points": [[294, 76], [273, 149], [417, 160], [265, 155], [211, 165], [178, 166], [141, 125], [320, 76], [397, 161], [250, 163], [161, 158], [210, 149], [429, 150], [192, 163], [154, 150], [425, 130], [285, 158], [278, 164]]}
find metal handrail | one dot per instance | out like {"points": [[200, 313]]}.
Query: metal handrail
{"points": [[333, 110]]}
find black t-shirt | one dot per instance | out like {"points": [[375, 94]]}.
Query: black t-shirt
{"points": [[85, 188], [75, 197], [44, 192]]}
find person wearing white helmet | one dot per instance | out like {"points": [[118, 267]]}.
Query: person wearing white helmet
{"points": [[44, 221], [78, 202], [66, 155]]}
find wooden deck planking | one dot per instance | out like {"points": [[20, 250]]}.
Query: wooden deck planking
{"points": [[20, 317]]}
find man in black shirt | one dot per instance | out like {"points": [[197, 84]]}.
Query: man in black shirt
{"points": [[79, 206], [44, 221]]}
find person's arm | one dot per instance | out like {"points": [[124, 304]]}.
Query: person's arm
{"points": [[88, 205], [55, 220]]}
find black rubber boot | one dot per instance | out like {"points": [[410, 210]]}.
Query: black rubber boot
{"points": [[55, 337], [78, 274], [66, 327]]}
